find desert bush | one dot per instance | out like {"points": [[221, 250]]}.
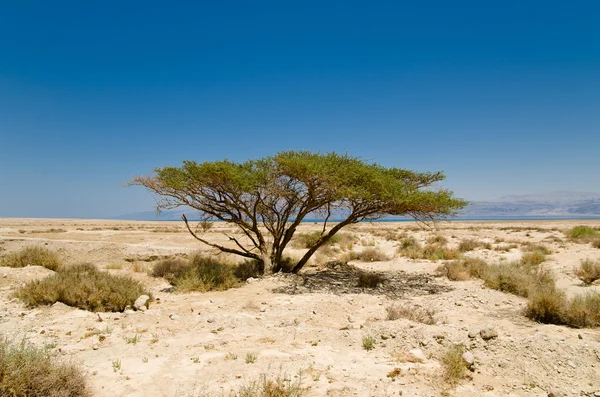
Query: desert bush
{"points": [[468, 245], [85, 287], [546, 305], [247, 269], [432, 251], [280, 386], [413, 313], [32, 256], [596, 243], [408, 242], [206, 273], [534, 247], [453, 364], [583, 233], [370, 279], [550, 306], [462, 269], [588, 271], [438, 239], [583, 311], [516, 278], [171, 269], [29, 371], [533, 258], [368, 342], [366, 255]]}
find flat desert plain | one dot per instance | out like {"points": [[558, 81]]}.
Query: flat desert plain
{"points": [[316, 330]]}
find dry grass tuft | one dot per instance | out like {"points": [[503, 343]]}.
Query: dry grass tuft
{"points": [[170, 269], [32, 256], [281, 386], [588, 271], [533, 258], [470, 245], [550, 306], [533, 247], [28, 371], [206, 273], [85, 287], [462, 269], [366, 255], [413, 313], [596, 243], [516, 278], [453, 364]]}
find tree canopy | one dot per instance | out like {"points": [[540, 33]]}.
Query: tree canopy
{"points": [[268, 198]]}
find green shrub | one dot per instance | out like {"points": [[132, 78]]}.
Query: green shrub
{"points": [[34, 256], [85, 287], [368, 342], [583, 233], [588, 271], [28, 371], [206, 273]]}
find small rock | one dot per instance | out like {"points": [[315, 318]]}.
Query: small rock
{"points": [[210, 320], [95, 347], [571, 364], [351, 319], [473, 334], [556, 392], [173, 316], [418, 355], [488, 332], [251, 280], [469, 358], [141, 302]]}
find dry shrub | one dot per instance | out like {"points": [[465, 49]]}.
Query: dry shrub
{"points": [[533, 247], [206, 273], [433, 251], [366, 255], [550, 306], [438, 239], [414, 313], [171, 269], [247, 269], [280, 386], [453, 364], [462, 269], [85, 287], [307, 240], [516, 278], [28, 371], [588, 271], [32, 256], [533, 258], [583, 234], [370, 279], [470, 244], [596, 243]]}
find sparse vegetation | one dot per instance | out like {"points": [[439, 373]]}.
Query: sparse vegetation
{"points": [[280, 386], [366, 255], [516, 278], [171, 269], [83, 286], [201, 273], [533, 258], [32, 256], [431, 251], [453, 364], [596, 243], [413, 313], [533, 247], [368, 342], [588, 271], [462, 269], [551, 306], [583, 234], [29, 371], [251, 358]]}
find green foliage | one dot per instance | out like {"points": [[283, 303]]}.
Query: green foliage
{"points": [[29, 371], [85, 287], [368, 342], [32, 256], [278, 192], [583, 233]]}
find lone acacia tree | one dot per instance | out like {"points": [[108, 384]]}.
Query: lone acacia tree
{"points": [[268, 198]]}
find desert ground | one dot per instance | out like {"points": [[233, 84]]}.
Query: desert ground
{"points": [[309, 328]]}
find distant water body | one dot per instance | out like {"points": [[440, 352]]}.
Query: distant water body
{"points": [[457, 219]]}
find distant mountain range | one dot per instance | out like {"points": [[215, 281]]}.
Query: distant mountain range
{"points": [[555, 204], [561, 204]]}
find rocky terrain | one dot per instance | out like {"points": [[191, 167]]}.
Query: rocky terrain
{"points": [[310, 329]]}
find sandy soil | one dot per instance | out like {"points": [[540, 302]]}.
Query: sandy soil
{"points": [[310, 327]]}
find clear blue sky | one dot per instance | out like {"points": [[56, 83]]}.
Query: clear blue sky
{"points": [[504, 96]]}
